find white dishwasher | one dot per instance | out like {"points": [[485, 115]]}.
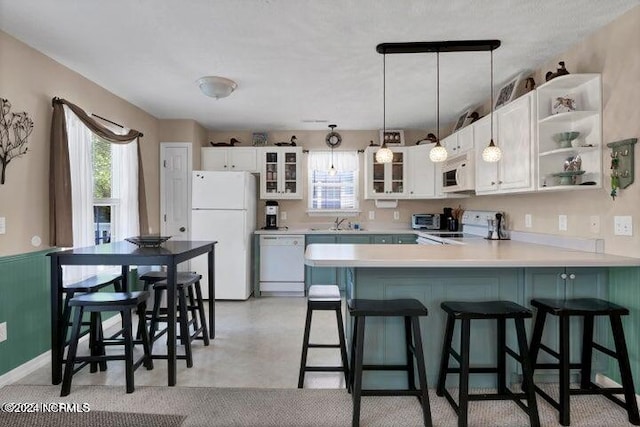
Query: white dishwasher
{"points": [[282, 265]]}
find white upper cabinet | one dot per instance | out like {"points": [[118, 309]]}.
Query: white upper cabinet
{"points": [[514, 131], [281, 173], [230, 159], [570, 106], [421, 173], [459, 142], [385, 180]]}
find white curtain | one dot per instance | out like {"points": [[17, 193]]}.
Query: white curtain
{"points": [[81, 169], [343, 161], [124, 158]]}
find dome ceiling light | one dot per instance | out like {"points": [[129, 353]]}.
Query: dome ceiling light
{"points": [[216, 87]]}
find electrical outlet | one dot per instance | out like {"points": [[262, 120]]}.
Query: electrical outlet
{"points": [[3, 225], [396, 215], [623, 225], [594, 224], [528, 221], [562, 222], [3, 331], [372, 215], [283, 215]]}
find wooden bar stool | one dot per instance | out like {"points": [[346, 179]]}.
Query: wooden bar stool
{"points": [[123, 302], [186, 284], [410, 310], [587, 308], [323, 297], [500, 311]]}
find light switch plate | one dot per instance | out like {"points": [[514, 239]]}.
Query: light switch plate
{"points": [[3, 331], [372, 215], [3, 225], [283, 215], [396, 215], [562, 222], [623, 225], [528, 221]]}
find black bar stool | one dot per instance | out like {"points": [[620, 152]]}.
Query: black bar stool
{"points": [[323, 297], [186, 283], [90, 284], [587, 308], [411, 310], [123, 302], [500, 311]]}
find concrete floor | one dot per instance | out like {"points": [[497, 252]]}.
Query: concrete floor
{"points": [[258, 344]]}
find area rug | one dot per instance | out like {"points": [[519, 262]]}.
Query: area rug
{"points": [[94, 418], [204, 406]]}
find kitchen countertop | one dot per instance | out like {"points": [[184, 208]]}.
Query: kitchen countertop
{"points": [[338, 232], [474, 253]]}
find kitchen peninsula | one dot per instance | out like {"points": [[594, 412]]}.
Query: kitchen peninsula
{"points": [[478, 270]]}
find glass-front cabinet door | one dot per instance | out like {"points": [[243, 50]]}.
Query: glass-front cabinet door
{"points": [[281, 173], [385, 180]]}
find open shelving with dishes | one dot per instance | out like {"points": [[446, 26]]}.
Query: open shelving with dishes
{"points": [[570, 133]]}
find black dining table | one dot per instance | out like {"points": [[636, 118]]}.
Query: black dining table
{"points": [[125, 254]]}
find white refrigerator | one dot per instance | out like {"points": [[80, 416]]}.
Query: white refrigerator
{"points": [[224, 209]]}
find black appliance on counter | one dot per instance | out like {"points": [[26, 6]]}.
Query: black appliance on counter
{"points": [[271, 214]]}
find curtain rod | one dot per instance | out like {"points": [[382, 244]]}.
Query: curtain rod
{"points": [[359, 151], [113, 123]]}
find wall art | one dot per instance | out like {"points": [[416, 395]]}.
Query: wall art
{"points": [[15, 129]]}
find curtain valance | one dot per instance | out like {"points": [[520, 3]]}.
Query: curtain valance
{"points": [[60, 216]]}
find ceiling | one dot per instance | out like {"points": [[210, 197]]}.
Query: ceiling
{"points": [[301, 64]]}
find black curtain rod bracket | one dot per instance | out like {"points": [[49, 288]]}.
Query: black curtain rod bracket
{"points": [[441, 46]]}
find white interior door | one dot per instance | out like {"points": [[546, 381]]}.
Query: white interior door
{"points": [[175, 190]]}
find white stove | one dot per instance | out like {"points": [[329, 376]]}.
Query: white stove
{"points": [[474, 226]]}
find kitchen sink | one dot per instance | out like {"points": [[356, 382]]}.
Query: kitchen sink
{"points": [[332, 229]]}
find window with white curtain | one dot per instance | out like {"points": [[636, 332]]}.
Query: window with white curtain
{"points": [[333, 193], [104, 186]]}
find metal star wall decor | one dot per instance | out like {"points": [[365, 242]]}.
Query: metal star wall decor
{"points": [[15, 128]]}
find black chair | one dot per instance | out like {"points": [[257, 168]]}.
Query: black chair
{"points": [[588, 309], [500, 311], [123, 302], [410, 310], [323, 297], [186, 284]]}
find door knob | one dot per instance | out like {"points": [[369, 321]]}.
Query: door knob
{"points": [[182, 229]]}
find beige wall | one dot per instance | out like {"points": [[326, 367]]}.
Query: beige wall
{"points": [[29, 79], [183, 130]]}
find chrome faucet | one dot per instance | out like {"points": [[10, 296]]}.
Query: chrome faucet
{"points": [[338, 222]]}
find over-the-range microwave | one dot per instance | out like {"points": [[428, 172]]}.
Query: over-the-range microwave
{"points": [[458, 174]]}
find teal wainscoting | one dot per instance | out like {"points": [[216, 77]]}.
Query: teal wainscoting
{"points": [[624, 289], [24, 305]]}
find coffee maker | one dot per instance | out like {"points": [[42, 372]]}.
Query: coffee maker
{"points": [[271, 214]]}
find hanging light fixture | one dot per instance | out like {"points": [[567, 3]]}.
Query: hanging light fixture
{"points": [[333, 139], [384, 153], [491, 152], [438, 153]]}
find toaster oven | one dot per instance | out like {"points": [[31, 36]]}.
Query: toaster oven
{"points": [[428, 221]]}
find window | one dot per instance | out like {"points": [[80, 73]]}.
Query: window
{"points": [[337, 193], [103, 203]]}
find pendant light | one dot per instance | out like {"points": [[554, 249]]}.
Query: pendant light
{"points": [[384, 153], [491, 152], [333, 139], [438, 153]]}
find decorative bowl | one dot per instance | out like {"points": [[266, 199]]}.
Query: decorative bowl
{"points": [[568, 177], [564, 138], [150, 241]]}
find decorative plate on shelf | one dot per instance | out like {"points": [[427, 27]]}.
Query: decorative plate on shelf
{"points": [[149, 241]]}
